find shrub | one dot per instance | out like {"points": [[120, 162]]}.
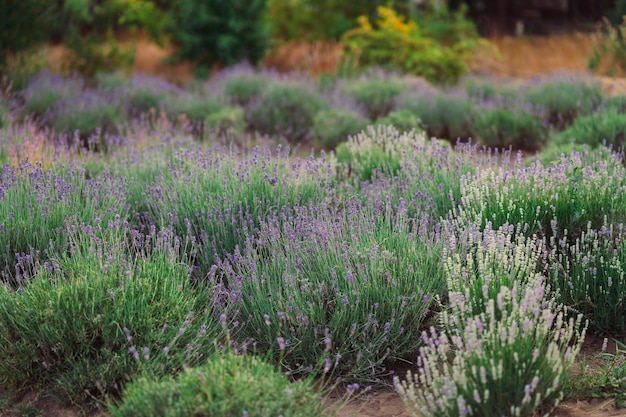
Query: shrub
{"points": [[46, 89], [226, 385], [286, 109], [403, 120], [398, 45], [609, 49], [504, 127], [196, 107], [616, 103], [88, 112], [96, 319], [318, 20], [36, 204], [110, 80], [332, 127], [589, 274], [226, 119], [565, 98], [376, 96], [606, 127], [379, 148], [241, 89], [511, 359], [217, 198], [443, 115], [217, 33], [343, 289], [576, 189], [144, 92]]}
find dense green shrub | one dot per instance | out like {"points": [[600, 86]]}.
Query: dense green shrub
{"points": [[565, 98], [443, 115], [210, 32], [606, 127], [503, 127], [403, 120], [286, 109], [376, 95], [226, 119], [92, 321], [226, 385], [398, 45], [332, 127], [196, 107]]}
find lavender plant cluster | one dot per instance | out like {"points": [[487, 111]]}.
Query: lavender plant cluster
{"points": [[528, 115], [133, 263]]}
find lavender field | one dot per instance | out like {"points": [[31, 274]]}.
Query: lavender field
{"points": [[177, 251]]}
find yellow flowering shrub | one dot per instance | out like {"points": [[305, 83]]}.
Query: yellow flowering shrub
{"points": [[396, 43]]}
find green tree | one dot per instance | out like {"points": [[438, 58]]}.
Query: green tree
{"points": [[220, 32], [23, 24]]}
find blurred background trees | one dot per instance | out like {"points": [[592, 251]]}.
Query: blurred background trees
{"points": [[218, 33]]}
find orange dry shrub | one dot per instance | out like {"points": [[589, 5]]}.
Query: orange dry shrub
{"points": [[313, 58]]}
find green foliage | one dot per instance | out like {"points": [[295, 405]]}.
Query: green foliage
{"points": [[609, 50], [610, 380], [226, 385], [615, 103], [226, 119], [443, 115], [403, 120], [397, 45], [286, 109], [23, 25], [606, 127], [377, 96], [565, 99], [503, 127], [21, 67], [217, 32], [196, 107], [332, 127], [319, 19]]}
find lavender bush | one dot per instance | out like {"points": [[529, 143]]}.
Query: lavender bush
{"points": [[578, 188], [509, 342], [36, 205], [564, 97], [348, 288], [589, 273], [217, 197], [107, 311]]}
